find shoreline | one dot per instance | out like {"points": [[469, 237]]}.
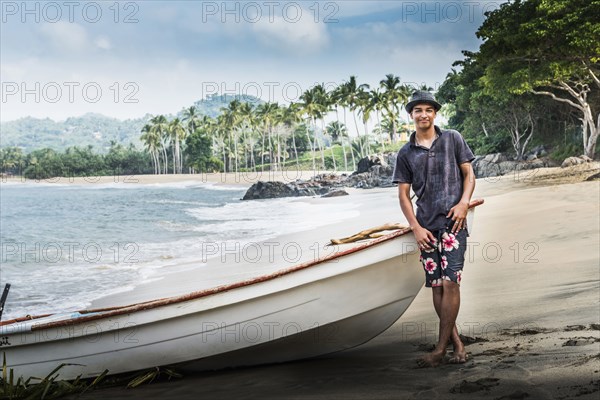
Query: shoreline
{"points": [[220, 178], [536, 177]]}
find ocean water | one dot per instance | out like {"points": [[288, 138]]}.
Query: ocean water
{"points": [[63, 245]]}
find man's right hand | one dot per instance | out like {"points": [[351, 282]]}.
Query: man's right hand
{"points": [[425, 239]]}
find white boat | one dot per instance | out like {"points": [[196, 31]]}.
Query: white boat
{"points": [[334, 303]]}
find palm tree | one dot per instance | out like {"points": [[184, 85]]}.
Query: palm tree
{"points": [[152, 143], [178, 134], [338, 132], [405, 92], [365, 106], [231, 119], [378, 103], [209, 125], [191, 117], [220, 134], [424, 87], [394, 96], [290, 117], [247, 123], [340, 96], [353, 93], [324, 103], [314, 107], [267, 113], [160, 126], [11, 159]]}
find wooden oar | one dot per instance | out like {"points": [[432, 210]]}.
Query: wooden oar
{"points": [[371, 233]]}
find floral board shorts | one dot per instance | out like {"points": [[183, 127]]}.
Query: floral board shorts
{"points": [[446, 259]]}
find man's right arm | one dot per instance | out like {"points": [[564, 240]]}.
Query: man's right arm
{"points": [[422, 235]]}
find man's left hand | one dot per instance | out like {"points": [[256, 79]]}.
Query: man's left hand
{"points": [[458, 213]]}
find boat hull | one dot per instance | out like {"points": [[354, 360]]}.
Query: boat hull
{"points": [[330, 307]]}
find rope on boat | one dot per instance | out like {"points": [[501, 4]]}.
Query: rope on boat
{"points": [[371, 233]]}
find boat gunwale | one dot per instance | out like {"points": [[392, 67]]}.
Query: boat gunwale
{"points": [[101, 313]]}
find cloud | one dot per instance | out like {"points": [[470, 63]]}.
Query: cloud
{"points": [[65, 36], [304, 36], [103, 43]]}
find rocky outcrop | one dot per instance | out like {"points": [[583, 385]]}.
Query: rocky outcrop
{"points": [[268, 190], [373, 171], [271, 190], [316, 186], [499, 164], [377, 170], [570, 161]]}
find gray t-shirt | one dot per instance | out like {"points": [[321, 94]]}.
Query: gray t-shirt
{"points": [[434, 174]]}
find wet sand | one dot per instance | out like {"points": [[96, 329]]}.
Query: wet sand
{"points": [[529, 312]]}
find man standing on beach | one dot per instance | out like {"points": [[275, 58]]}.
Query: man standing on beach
{"points": [[437, 163]]}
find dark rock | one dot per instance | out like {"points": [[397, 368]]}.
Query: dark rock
{"points": [[270, 190], [318, 185], [336, 193], [365, 164], [536, 152]]}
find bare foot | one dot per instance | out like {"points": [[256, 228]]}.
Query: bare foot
{"points": [[432, 359], [459, 356]]}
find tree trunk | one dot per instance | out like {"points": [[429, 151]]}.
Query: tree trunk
{"points": [[330, 147], [312, 152], [318, 142], [156, 162], [383, 141], [166, 160], [580, 95], [271, 149], [295, 150], [351, 152], [262, 152], [360, 144]]}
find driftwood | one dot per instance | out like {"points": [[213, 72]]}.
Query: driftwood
{"points": [[371, 233]]}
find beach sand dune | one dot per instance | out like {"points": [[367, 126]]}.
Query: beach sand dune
{"points": [[530, 312]]}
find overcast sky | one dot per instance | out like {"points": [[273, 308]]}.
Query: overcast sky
{"points": [[126, 59]]}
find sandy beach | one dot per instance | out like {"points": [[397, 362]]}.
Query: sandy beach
{"points": [[529, 312]]}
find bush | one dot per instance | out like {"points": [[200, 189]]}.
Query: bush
{"points": [[561, 152]]}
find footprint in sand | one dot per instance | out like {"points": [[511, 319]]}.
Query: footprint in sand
{"points": [[581, 341], [516, 395], [475, 386]]}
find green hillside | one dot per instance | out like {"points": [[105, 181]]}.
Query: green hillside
{"points": [[92, 129]]}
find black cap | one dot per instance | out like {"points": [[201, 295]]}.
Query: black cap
{"points": [[422, 97]]}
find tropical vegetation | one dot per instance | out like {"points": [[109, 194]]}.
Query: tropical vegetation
{"points": [[533, 81], [307, 134]]}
